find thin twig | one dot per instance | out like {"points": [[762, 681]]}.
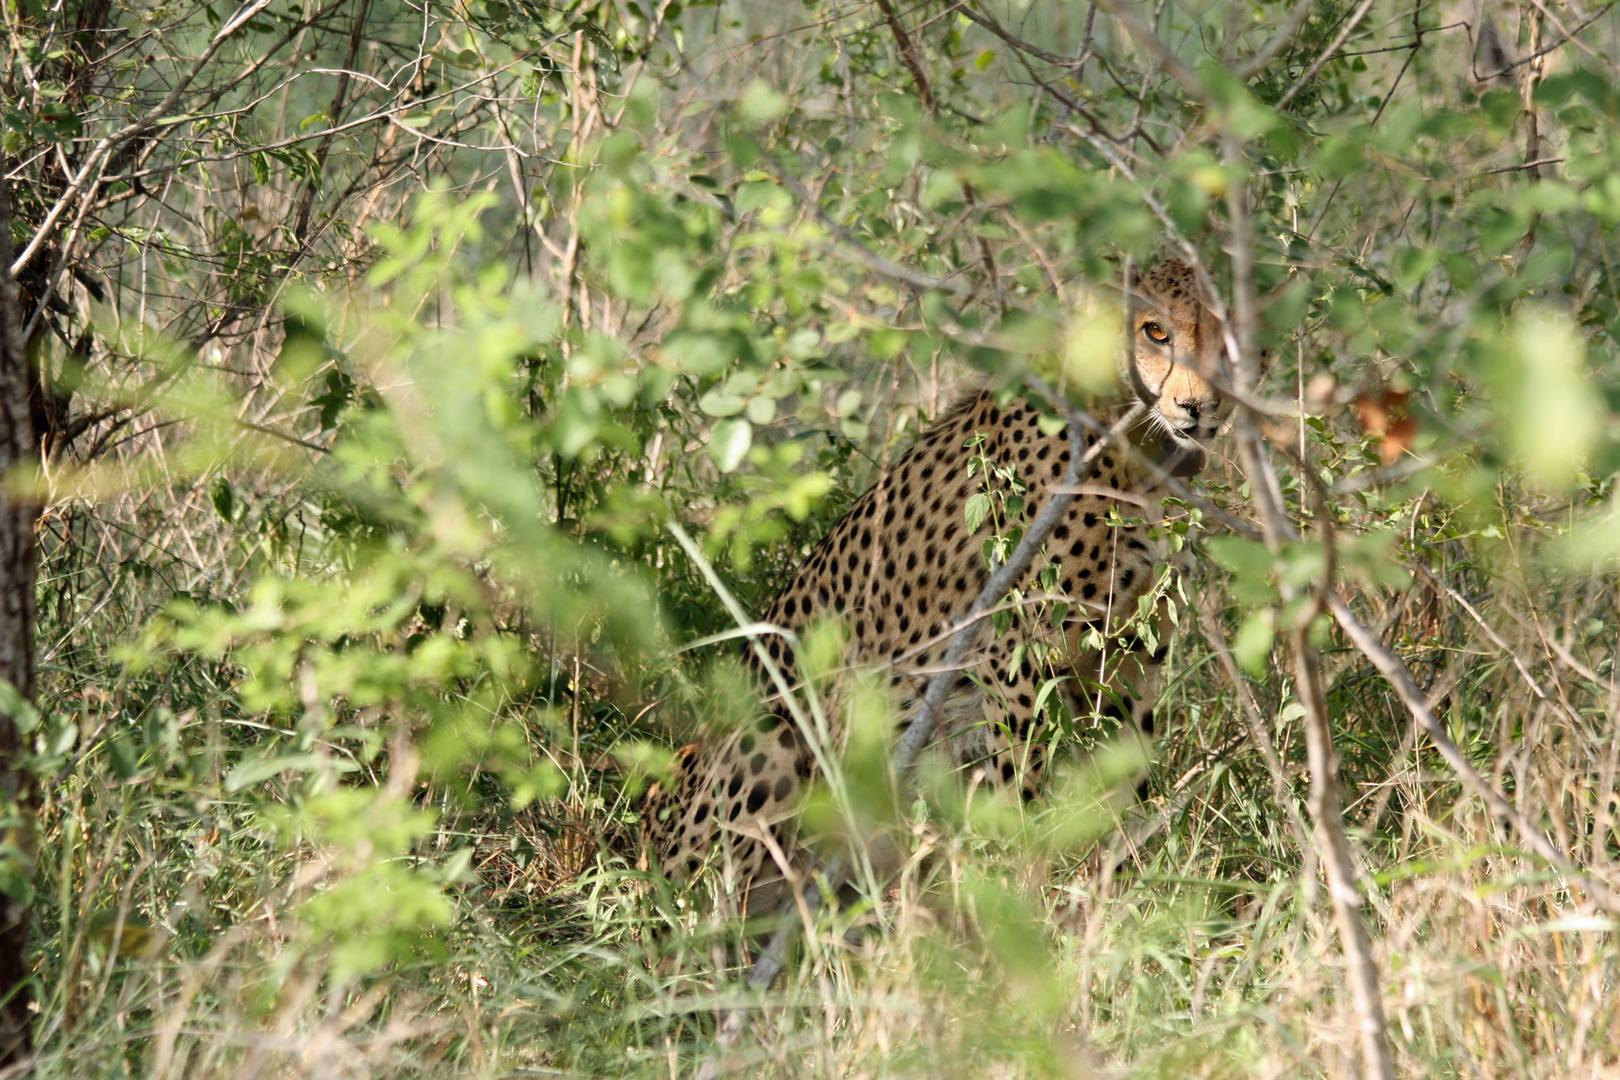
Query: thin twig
{"points": [[1279, 41], [925, 90], [1555, 46], [1173, 65], [101, 153], [1327, 54], [1256, 724], [1025, 47]]}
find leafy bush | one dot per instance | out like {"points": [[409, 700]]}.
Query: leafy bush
{"points": [[373, 376]]}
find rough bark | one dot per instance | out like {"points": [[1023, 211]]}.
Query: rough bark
{"points": [[17, 571]]}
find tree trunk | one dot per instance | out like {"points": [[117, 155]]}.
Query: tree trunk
{"points": [[17, 569]]}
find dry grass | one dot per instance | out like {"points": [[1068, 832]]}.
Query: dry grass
{"points": [[473, 909], [1211, 951]]}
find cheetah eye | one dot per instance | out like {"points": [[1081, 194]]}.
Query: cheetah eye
{"points": [[1156, 332]]}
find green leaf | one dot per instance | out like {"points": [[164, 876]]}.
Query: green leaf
{"points": [[731, 441], [1245, 558], [256, 770], [752, 196], [1244, 117], [760, 103], [122, 755], [762, 410], [224, 498], [1552, 413], [18, 708], [976, 510], [1301, 564], [456, 868], [16, 873], [1252, 645], [718, 403]]}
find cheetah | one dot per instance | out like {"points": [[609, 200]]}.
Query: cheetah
{"points": [[902, 567]]}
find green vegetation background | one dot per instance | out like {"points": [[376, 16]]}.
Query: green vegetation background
{"points": [[369, 399]]}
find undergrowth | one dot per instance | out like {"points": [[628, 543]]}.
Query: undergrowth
{"points": [[362, 629]]}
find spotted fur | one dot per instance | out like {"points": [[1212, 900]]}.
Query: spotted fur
{"points": [[903, 566]]}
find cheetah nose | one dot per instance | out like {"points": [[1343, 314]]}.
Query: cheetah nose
{"points": [[1190, 406]]}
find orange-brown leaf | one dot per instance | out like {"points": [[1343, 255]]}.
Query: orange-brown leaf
{"points": [[1385, 417]]}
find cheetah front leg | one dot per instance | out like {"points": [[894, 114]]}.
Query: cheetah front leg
{"points": [[1112, 685]]}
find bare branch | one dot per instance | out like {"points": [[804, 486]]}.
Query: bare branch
{"points": [[1327, 810], [1328, 53], [1279, 41], [1405, 687], [1140, 31]]}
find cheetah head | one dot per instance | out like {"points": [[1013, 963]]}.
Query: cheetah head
{"points": [[1176, 341]]}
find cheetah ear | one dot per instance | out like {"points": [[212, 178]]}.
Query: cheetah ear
{"points": [[1147, 285], [1139, 293]]}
